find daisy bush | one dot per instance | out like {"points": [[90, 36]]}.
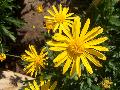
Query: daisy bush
{"points": [[80, 50], [72, 52]]}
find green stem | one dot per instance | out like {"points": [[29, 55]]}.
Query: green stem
{"points": [[13, 56]]}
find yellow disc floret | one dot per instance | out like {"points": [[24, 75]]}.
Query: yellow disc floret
{"points": [[75, 47]]}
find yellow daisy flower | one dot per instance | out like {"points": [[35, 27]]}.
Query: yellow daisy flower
{"points": [[61, 18], [2, 57], [43, 86], [39, 8], [36, 61], [49, 25], [78, 47], [106, 82]]}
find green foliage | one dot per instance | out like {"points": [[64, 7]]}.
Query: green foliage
{"points": [[8, 24], [8, 20]]}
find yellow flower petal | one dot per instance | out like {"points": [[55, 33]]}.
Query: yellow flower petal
{"points": [[31, 86], [78, 69], [55, 10], [76, 30], [68, 34], [61, 61], [85, 28], [65, 11], [99, 48], [70, 14], [59, 37], [56, 27], [60, 11], [49, 17], [68, 23], [29, 53], [67, 65], [93, 33], [60, 56], [35, 85], [27, 89], [60, 28], [51, 13], [52, 43], [97, 41], [86, 64], [97, 53], [33, 51], [70, 18], [92, 59], [73, 69], [30, 65], [57, 48]]}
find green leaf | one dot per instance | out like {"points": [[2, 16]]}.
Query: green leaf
{"points": [[16, 22], [89, 81], [114, 20], [94, 87], [8, 33]]}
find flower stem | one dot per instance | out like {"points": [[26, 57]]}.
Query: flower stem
{"points": [[13, 55]]}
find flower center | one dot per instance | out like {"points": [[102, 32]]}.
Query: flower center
{"points": [[106, 82], [60, 18], [75, 47], [38, 60]]}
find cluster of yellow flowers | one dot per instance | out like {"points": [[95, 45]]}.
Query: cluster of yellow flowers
{"points": [[43, 86], [77, 45]]}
